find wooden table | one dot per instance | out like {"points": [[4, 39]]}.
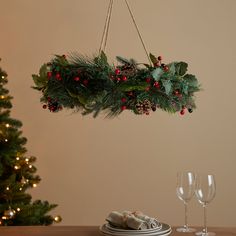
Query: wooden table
{"points": [[86, 231]]}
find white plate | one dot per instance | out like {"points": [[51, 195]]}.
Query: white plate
{"points": [[113, 228], [165, 230]]}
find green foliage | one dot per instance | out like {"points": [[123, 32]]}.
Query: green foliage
{"points": [[92, 85], [17, 171]]}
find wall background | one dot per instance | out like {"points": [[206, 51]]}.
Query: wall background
{"points": [[91, 167]]}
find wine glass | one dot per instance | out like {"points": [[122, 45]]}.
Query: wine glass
{"points": [[185, 191], [205, 192]]}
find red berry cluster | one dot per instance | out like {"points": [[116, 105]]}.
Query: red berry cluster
{"points": [[57, 75], [123, 100], [118, 76], [52, 105], [159, 63], [156, 84]]}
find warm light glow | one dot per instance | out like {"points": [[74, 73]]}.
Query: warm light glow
{"points": [[7, 125], [17, 167], [34, 185], [17, 158], [18, 209], [7, 188], [26, 159], [2, 97], [30, 166], [57, 219], [6, 140], [3, 76], [4, 217], [20, 189]]}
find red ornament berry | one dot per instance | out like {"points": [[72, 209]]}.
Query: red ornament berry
{"points": [[123, 108], [148, 80], [44, 106], [157, 64], [85, 82], [58, 76], [159, 58], [117, 71], [176, 92], [182, 112], [123, 99], [165, 68], [49, 74], [130, 93], [156, 85], [77, 79], [118, 79], [148, 88], [124, 78]]}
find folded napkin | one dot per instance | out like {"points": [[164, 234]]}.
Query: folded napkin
{"points": [[132, 220], [151, 222]]}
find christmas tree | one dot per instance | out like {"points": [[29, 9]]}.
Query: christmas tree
{"points": [[17, 172]]}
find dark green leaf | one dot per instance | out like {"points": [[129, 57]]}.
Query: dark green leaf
{"points": [[147, 65], [153, 58], [122, 60], [39, 81], [103, 57], [43, 71], [191, 80], [181, 68]]}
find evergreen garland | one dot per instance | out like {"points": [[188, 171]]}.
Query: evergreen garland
{"points": [[92, 85]]}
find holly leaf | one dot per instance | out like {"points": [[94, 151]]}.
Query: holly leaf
{"points": [[103, 57], [181, 68], [122, 60], [39, 81], [157, 73], [147, 65], [191, 80], [153, 58], [167, 85], [43, 71]]}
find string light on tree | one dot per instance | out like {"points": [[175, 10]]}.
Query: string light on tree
{"points": [[16, 174]]}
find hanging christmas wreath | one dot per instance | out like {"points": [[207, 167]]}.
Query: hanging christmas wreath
{"points": [[92, 85]]}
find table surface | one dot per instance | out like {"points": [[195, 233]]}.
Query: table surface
{"points": [[88, 231]]}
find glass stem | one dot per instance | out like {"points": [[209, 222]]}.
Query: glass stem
{"points": [[205, 218], [185, 215]]}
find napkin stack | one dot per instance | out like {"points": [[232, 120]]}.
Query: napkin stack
{"points": [[133, 220]]}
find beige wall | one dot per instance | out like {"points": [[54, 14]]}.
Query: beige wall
{"points": [[91, 167]]}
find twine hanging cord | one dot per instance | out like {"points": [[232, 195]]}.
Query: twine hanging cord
{"points": [[106, 28], [107, 25]]}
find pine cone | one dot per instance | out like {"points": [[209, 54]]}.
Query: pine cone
{"points": [[128, 70], [143, 107]]}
